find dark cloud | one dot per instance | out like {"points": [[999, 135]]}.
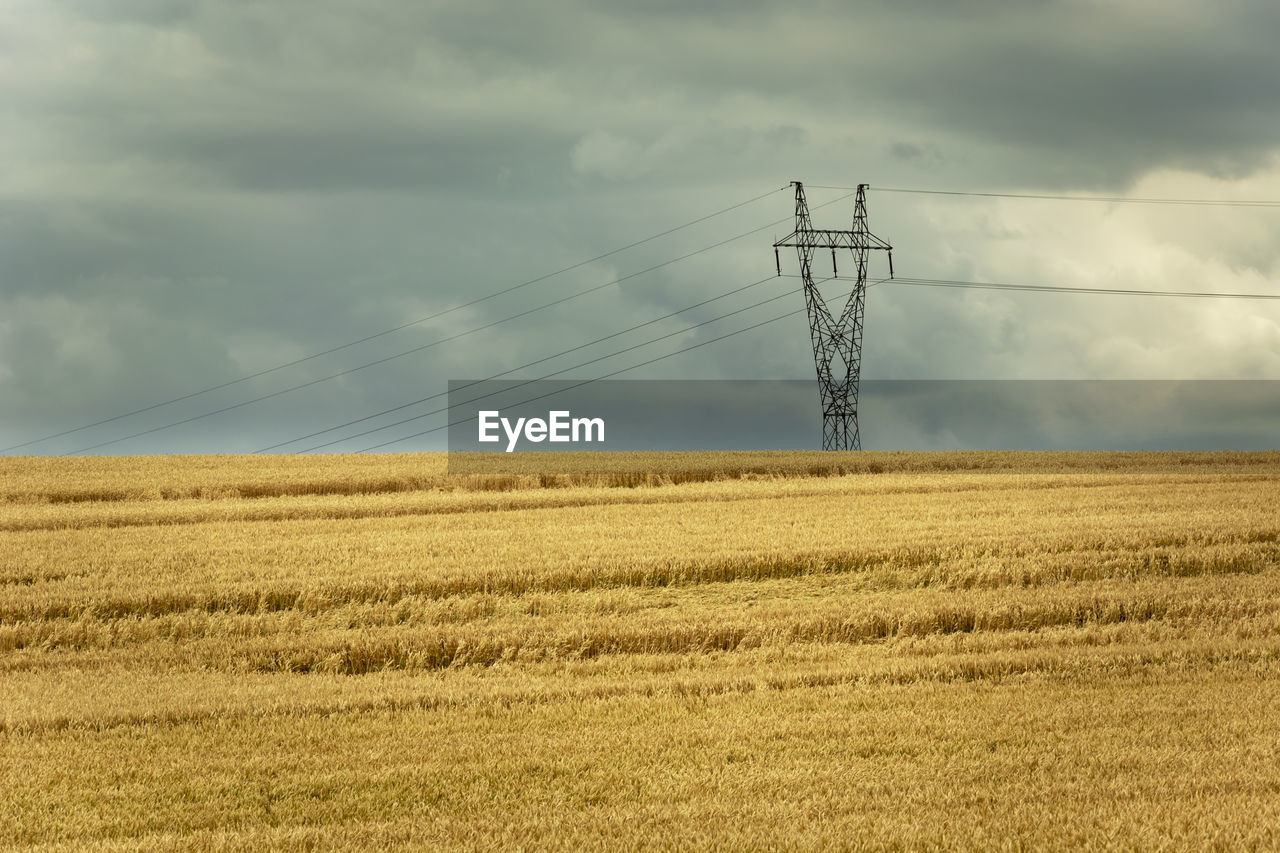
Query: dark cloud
{"points": [[192, 191]]}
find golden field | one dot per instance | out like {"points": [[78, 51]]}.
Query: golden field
{"points": [[709, 651]]}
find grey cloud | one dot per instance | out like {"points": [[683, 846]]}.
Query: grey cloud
{"points": [[191, 191]]}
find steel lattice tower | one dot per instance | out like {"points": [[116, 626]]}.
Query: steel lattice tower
{"points": [[837, 342]]}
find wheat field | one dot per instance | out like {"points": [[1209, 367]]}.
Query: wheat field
{"points": [[644, 651]]}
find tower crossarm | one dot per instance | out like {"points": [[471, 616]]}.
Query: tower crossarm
{"points": [[816, 238]]}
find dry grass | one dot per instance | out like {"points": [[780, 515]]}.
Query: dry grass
{"points": [[707, 650]]}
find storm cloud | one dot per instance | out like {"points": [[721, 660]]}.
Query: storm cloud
{"points": [[191, 192]]}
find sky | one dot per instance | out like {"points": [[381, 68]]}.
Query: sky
{"points": [[194, 192]]}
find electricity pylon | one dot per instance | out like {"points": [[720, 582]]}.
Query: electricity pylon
{"points": [[837, 343]]}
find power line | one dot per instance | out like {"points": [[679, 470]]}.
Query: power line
{"points": [[1047, 288], [454, 337], [586, 363], [521, 366], [680, 351], [911, 282], [907, 281], [393, 329], [1099, 198], [897, 281]]}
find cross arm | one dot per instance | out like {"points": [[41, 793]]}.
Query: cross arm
{"points": [[828, 239]]}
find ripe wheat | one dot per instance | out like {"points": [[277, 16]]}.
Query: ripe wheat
{"points": [[697, 650]]}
